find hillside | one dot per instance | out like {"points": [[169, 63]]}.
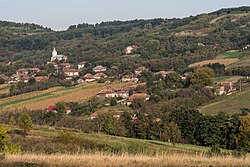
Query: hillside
{"points": [[228, 104], [164, 43], [11, 29], [104, 149]]}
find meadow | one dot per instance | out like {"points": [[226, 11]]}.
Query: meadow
{"points": [[227, 58], [228, 104], [43, 99]]}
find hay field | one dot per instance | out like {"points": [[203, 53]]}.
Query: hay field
{"points": [[100, 159], [43, 99], [226, 62]]}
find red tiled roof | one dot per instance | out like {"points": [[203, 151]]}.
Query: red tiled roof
{"points": [[34, 69], [70, 70], [142, 96], [88, 76], [52, 108]]}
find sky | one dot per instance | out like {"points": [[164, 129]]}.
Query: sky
{"points": [[60, 14]]}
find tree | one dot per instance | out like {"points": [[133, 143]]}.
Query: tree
{"points": [[173, 81], [12, 121], [113, 101], [202, 76], [25, 122], [4, 138], [61, 107], [172, 133], [244, 133]]}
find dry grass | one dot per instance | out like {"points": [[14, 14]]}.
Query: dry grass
{"points": [[4, 85], [226, 62], [100, 159]]}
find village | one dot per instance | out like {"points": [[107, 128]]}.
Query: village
{"points": [[99, 74]]}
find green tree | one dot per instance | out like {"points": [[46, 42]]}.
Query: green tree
{"points": [[25, 122], [113, 101], [202, 76], [4, 138], [244, 133], [172, 133], [12, 121], [61, 107]]}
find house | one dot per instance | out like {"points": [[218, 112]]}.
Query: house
{"points": [[139, 70], [246, 47], [14, 78], [81, 65], [129, 78], [99, 69], [55, 56], [41, 78], [131, 49], [225, 88], [100, 75], [136, 96], [54, 109], [22, 71], [94, 116], [65, 65], [122, 94], [89, 77], [164, 73], [34, 70], [114, 67], [24, 78], [69, 73], [108, 93], [80, 81]]}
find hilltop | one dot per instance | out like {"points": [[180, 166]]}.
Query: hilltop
{"points": [[169, 40]]}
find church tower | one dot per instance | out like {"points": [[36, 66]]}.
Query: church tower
{"points": [[54, 53]]}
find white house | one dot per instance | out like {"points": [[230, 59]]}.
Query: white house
{"points": [[99, 69], [71, 72], [129, 78], [81, 65], [89, 77], [131, 49]]}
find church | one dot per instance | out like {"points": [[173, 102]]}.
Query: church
{"points": [[55, 56]]}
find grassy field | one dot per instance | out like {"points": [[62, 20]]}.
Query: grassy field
{"points": [[100, 159], [227, 78], [42, 99], [226, 62], [114, 152], [228, 104], [227, 58]]}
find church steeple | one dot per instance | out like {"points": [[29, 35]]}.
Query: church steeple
{"points": [[54, 53]]}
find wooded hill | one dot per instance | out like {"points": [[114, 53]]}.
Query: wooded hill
{"points": [[164, 43]]}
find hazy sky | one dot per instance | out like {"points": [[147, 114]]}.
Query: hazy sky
{"points": [[59, 14]]}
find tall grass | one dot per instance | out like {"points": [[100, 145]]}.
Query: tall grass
{"points": [[101, 159]]}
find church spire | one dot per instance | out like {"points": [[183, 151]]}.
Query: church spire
{"points": [[54, 53]]}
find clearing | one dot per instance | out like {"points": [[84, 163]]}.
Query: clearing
{"points": [[227, 58]]}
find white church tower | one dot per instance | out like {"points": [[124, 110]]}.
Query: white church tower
{"points": [[54, 53], [55, 56]]}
